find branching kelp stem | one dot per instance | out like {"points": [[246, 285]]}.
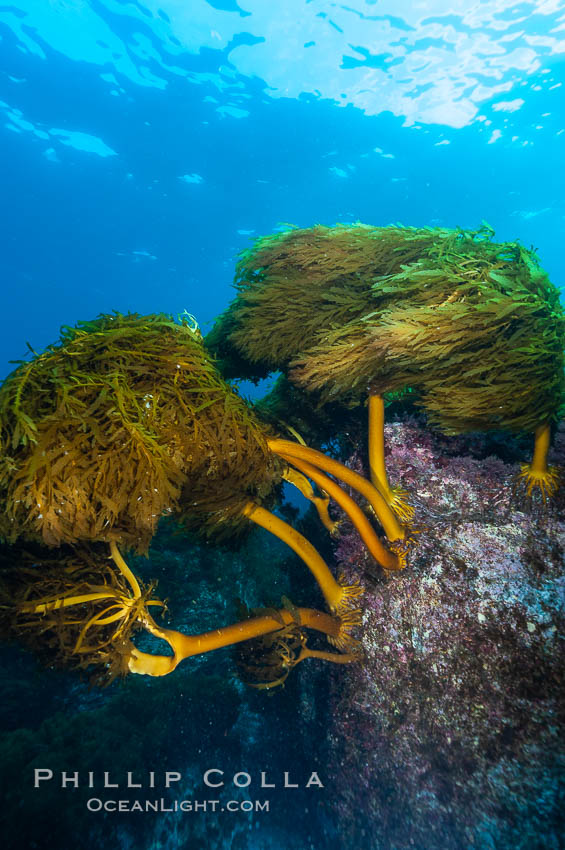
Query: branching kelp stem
{"points": [[379, 552], [185, 646], [294, 477], [392, 528]]}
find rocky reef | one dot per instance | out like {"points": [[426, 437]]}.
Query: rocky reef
{"points": [[447, 735]]}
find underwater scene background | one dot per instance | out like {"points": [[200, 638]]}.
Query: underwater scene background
{"points": [[145, 146]]}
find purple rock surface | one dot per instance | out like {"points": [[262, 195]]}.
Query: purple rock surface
{"points": [[448, 734]]}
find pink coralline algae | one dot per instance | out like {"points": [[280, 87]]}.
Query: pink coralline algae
{"points": [[448, 734]]}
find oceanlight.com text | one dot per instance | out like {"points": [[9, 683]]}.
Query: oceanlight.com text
{"points": [[95, 804]]}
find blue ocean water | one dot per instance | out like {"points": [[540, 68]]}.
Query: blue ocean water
{"points": [[144, 145]]}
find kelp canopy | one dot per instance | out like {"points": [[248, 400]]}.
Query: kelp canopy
{"points": [[123, 419], [473, 326]]}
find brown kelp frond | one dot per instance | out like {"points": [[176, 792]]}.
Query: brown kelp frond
{"points": [[74, 609], [485, 361], [318, 423], [340, 367], [101, 432], [474, 366], [230, 362], [296, 283], [474, 326]]}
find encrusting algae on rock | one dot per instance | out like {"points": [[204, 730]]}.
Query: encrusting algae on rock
{"points": [[449, 735]]}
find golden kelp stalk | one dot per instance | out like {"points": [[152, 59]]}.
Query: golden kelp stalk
{"points": [[76, 610], [474, 327], [122, 421]]}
